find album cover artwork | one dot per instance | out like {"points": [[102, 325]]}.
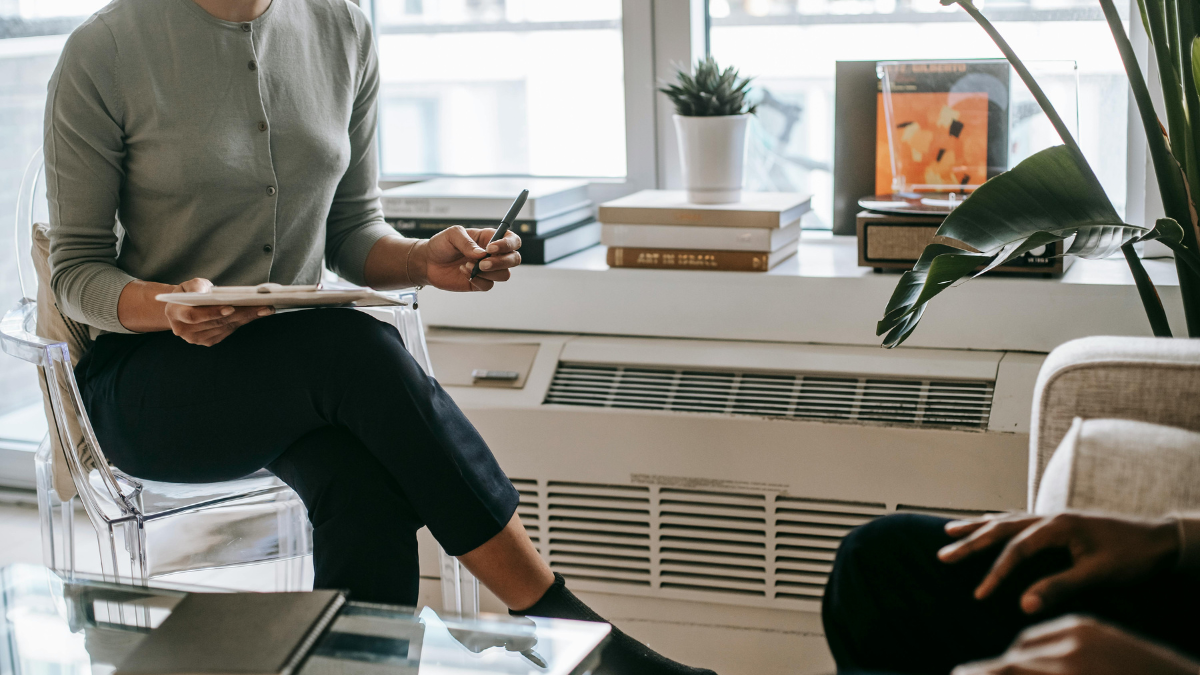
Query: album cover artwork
{"points": [[941, 126]]}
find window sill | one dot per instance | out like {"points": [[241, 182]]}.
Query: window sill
{"points": [[818, 296]]}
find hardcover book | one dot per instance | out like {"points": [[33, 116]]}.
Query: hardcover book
{"points": [[764, 210], [560, 244], [684, 259], [427, 227], [700, 238], [483, 198], [235, 634]]}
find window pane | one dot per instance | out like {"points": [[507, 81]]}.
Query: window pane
{"points": [[791, 48], [481, 87], [32, 34]]}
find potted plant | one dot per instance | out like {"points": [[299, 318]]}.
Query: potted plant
{"points": [[1054, 194], [711, 112]]}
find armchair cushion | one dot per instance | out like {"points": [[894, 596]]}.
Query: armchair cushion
{"points": [[1123, 466], [1148, 379], [52, 324]]}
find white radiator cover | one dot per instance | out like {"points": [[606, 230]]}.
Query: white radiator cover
{"points": [[716, 477]]}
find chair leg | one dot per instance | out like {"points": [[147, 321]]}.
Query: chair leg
{"points": [[68, 534], [460, 588]]}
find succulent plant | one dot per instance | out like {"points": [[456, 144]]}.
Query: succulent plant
{"points": [[710, 92]]}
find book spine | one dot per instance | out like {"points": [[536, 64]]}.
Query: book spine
{"points": [[686, 237], [470, 209], [710, 218], [681, 259], [314, 633]]}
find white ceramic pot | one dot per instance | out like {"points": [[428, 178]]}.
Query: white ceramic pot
{"points": [[713, 152]]}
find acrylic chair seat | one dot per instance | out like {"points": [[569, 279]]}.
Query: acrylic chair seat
{"points": [[148, 529]]}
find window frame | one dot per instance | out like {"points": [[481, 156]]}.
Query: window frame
{"points": [[658, 35], [641, 143]]}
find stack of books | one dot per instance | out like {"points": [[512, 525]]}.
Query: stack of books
{"points": [[557, 220], [660, 229]]}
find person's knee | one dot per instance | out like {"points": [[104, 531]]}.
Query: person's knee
{"points": [[879, 568], [880, 556], [897, 534]]}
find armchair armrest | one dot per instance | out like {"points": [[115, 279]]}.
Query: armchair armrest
{"points": [[1122, 466], [1142, 379]]}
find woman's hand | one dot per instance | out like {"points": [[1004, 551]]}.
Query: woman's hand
{"points": [[1104, 549], [207, 326], [446, 260], [1075, 645]]}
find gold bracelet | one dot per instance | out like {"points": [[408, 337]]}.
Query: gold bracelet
{"points": [[407, 259]]}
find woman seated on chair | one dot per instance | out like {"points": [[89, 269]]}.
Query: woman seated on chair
{"points": [[235, 141]]}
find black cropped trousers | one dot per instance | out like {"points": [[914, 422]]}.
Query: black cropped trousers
{"points": [[892, 607], [331, 402]]}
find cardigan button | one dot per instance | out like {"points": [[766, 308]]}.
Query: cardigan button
{"points": [[267, 248], [262, 126], [252, 65], [270, 190], [245, 28]]}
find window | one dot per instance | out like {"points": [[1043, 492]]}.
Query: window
{"points": [[32, 34], [792, 45], [501, 87]]}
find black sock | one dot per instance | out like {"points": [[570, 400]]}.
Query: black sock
{"points": [[623, 655]]}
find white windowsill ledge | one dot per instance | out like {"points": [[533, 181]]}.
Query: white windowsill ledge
{"points": [[819, 296]]}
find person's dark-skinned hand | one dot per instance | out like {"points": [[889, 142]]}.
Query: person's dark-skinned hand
{"points": [[1078, 645], [446, 260], [1103, 548], [207, 326]]}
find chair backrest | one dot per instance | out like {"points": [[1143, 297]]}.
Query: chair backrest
{"points": [[37, 332], [1154, 380], [52, 324]]}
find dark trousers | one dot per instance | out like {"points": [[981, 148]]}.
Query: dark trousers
{"points": [[892, 606], [331, 402]]}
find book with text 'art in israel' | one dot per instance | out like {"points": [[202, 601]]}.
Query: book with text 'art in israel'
{"points": [[558, 218], [660, 229]]}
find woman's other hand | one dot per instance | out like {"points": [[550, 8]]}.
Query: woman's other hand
{"points": [[1104, 549], [209, 325], [446, 260], [1078, 645]]}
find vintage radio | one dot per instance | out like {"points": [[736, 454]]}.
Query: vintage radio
{"points": [[895, 242]]}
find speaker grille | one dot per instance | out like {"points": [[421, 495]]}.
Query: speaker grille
{"points": [[903, 402]]}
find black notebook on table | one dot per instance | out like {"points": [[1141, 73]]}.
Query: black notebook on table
{"points": [[235, 634]]}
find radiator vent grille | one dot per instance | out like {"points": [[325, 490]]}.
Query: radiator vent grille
{"points": [[922, 403], [761, 549]]}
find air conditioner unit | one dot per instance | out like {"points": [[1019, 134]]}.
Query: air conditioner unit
{"points": [[726, 473]]}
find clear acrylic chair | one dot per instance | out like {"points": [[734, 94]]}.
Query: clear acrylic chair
{"points": [[147, 529]]}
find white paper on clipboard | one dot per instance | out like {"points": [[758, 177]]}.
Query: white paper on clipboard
{"points": [[284, 297]]}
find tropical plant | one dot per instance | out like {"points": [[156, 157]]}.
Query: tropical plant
{"points": [[1054, 194], [710, 92]]}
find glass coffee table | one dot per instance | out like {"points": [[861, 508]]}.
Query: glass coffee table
{"points": [[86, 626]]}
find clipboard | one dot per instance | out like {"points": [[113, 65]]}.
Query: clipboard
{"points": [[284, 297]]}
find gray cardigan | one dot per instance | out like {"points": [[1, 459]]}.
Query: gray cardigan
{"points": [[241, 153]]}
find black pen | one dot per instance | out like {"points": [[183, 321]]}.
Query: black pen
{"points": [[504, 225]]}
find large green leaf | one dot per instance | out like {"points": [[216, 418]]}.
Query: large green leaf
{"points": [[1045, 199], [1046, 192], [1196, 61], [938, 267]]}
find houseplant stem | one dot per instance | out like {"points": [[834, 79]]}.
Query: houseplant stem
{"points": [[1146, 291], [1149, 295], [1171, 182]]}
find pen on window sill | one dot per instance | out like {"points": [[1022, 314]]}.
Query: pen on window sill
{"points": [[504, 226]]}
